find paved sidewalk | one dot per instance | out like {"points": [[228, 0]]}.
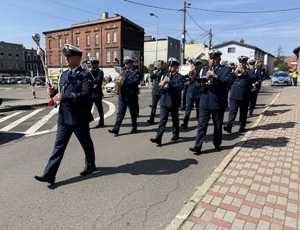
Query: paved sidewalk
{"points": [[257, 186]]}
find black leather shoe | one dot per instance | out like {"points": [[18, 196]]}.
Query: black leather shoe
{"points": [[218, 148], [114, 131], [184, 126], [175, 138], [150, 121], [88, 170], [156, 140], [227, 129], [241, 129], [133, 130], [197, 151], [45, 178], [99, 126]]}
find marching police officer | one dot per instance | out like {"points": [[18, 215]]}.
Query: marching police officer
{"points": [[213, 100], [97, 90], [193, 93], [74, 94], [170, 89], [156, 76], [128, 97], [255, 86], [239, 94]]}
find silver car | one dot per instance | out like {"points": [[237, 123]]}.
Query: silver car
{"points": [[281, 78]]}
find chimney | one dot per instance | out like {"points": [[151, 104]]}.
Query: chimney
{"points": [[242, 41], [104, 15]]}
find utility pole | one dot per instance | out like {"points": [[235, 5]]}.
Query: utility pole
{"points": [[210, 39], [183, 31]]}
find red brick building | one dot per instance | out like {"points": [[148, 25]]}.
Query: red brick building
{"points": [[108, 39]]}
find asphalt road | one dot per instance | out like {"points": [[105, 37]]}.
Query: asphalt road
{"points": [[137, 185]]}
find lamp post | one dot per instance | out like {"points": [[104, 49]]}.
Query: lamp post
{"points": [[151, 14]]}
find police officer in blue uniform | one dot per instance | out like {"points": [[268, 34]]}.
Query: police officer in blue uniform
{"points": [[213, 100], [170, 89], [256, 66], [193, 93], [239, 94], [74, 96], [156, 76], [97, 90], [128, 97]]}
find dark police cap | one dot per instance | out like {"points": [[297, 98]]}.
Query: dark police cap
{"points": [[70, 50], [128, 59], [94, 61], [173, 61], [197, 62], [158, 63], [243, 59], [214, 53], [252, 62]]}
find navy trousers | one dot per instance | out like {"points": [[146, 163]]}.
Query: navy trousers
{"points": [[155, 100], [164, 114], [217, 117], [122, 107], [63, 136], [233, 109], [188, 109]]}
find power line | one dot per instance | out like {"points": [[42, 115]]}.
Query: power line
{"points": [[156, 7], [245, 12]]}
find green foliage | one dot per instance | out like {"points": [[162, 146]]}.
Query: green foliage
{"points": [[280, 64]]}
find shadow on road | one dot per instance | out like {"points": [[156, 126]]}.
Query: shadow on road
{"points": [[143, 167], [8, 137]]}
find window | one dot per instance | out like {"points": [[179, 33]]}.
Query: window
{"points": [[10, 65], [34, 66], [77, 41], [17, 56], [9, 56], [231, 50], [50, 58], [66, 41], [87, 40], [115, 56], [29, 67], [97, 55], [28, 57], [49, 44], [60, 58], [34, 57], [96, 39], [1, 55], [107, 37], [114, 36], [59, 42], [108, 56], [88, 56], [2, 65]]}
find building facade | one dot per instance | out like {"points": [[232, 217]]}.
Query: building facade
{"points": [[11, 59], [33, 63], [232, 50], [196, 50], [107, 39], [166, 48]]}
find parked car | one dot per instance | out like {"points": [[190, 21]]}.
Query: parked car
{"points": [[281, 78], [110, 87], [38, 81]]}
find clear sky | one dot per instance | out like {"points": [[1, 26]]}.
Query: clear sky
{"points": [[267, 24]]}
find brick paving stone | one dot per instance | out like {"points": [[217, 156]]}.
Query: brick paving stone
{"points": [[260, 188]]}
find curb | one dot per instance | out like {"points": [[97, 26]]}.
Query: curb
{"points": [[21, 107], [190, 205]]}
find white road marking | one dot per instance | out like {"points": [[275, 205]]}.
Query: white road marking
{"points": [[19, 121], [41, 122], [7, 117]]}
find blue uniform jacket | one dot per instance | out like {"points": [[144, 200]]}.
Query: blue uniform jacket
{"points": [[76, 89], [156, 77], [194, 87], [216, 96], [97, 82], [172, 96], [130, 86], [240, 89]]}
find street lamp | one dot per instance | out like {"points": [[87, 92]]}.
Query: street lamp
{"points": [[151, 14]]}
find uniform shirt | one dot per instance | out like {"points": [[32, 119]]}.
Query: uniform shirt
{"points": [[240, 89], [194, 89], [172, 96], [129, 88], [76, 89], [216, 96], [97, 82], [156, 77]]}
